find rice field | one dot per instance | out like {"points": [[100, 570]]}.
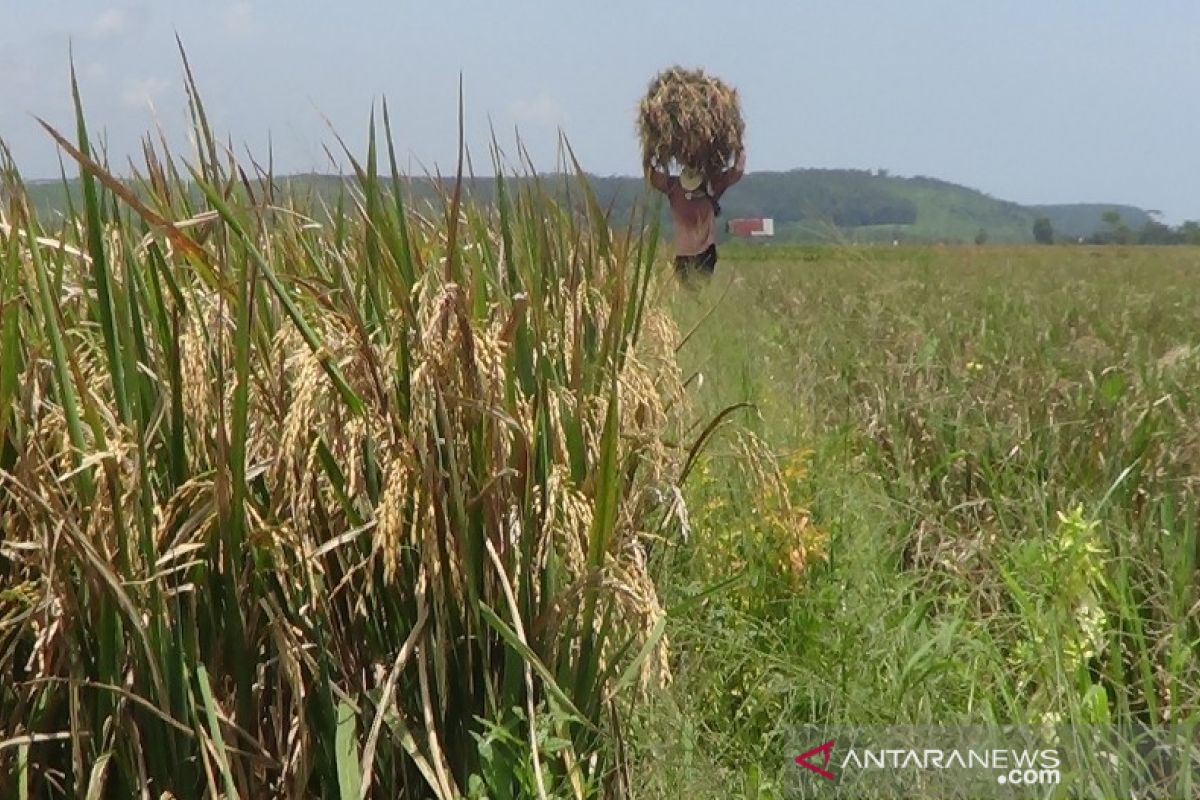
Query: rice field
{"points": [[984, 509], [367, 500]]}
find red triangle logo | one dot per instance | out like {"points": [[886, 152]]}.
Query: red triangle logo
{"points": [[825, 750]]}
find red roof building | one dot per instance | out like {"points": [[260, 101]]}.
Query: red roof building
{"points": [[756, 226]]}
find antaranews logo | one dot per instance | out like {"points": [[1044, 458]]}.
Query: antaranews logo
{"points": [[992, 762], [825, 750], [1004, 766]]}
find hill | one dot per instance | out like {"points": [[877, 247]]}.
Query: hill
{"points": [[806, 204], [858, 205]]}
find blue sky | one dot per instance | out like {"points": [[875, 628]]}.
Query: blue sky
{"points": [[1075, 100]]}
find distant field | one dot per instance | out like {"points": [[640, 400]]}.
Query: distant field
{"points": [[986, 508]]}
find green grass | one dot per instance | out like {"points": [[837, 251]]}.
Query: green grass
{"points": [[998, 451]]}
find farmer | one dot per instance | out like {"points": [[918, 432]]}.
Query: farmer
{"points": [[694, 210]]}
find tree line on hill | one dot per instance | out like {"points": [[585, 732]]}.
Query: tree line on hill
{"points": [[867, 205], [1117, 231]]}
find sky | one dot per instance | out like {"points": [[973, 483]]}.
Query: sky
{"points": [[1036, 102]]}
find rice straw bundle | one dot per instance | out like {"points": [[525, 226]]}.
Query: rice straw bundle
{"points": [[692, 119]]}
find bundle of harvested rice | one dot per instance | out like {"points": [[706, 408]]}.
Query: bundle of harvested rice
{"points": [[692, 119]]}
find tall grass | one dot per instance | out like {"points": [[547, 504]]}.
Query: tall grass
{"points": [[998, 450], [348, 504]]}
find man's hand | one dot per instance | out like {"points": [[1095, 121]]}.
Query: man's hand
{"points": [[732, 175], [655, 174]]}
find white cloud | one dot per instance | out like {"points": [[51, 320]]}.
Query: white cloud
{"points": [[110, 23], [138, 94], [238, 20], [538, 111]]}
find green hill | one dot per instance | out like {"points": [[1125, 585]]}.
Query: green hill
{"points": [[872, 206], [806, 204]]}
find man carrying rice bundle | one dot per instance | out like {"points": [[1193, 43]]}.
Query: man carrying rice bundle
{"points": [[694, 207], [694, 120]]}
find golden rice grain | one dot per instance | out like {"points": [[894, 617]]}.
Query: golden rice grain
{"points": [[692, 119]]}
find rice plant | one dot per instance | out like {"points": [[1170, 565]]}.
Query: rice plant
{"points": [[998, 452], [347, 502]]}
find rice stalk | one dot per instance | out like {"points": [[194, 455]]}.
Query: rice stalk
{"points": [[690, 118], [322, 497]]}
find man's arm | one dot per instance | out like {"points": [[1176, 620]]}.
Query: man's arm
{"points": [[730, 176], [658, 178]]}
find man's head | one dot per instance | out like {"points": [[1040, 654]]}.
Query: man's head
{"points": [[690, 179]]}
